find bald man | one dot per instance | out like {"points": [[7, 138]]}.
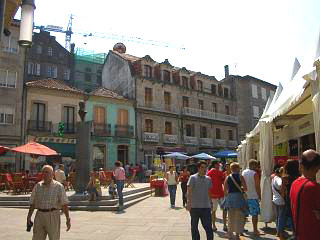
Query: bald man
{"points": [[305, 195], [48, 196]]}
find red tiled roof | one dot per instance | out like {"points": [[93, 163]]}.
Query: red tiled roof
{"points": [[53, 84], [104, 92], [127, 56]]}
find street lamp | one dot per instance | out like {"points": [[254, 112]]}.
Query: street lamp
{"points": [[26, 25]]}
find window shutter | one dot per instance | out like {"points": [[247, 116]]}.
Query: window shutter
{"points": [[38, 69]]}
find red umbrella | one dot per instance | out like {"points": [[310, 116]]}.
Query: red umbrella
{"points": [[3, 149], [35, 148]]}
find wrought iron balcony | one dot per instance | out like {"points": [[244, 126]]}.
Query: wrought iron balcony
{"points": [[101, 129], [206, 142], [39, 126], [209, 115], [69, 128], [151, 137], [170, 139], [124, 130], [190, 140], [220, 142]]}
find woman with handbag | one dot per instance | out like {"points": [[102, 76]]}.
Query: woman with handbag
{"points": [[235, 202]]}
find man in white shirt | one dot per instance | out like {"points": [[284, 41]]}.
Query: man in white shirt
{"points": [[254, 192], [60, 175]]}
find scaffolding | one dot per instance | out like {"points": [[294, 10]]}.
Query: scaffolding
{"points": [[89, 56]]}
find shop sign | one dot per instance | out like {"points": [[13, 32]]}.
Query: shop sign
{"points": [[56, 140]]}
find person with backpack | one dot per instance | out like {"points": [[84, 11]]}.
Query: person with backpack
{"points": [[172, 179]]}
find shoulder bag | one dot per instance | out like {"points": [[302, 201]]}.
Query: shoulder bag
{"points": [[237, 185]]}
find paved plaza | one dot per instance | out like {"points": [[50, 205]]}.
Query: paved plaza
{"points": [[149, 219]]}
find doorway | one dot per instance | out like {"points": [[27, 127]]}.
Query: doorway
{"points": [[123, 154]]}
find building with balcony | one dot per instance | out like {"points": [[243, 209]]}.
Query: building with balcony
{"points": [[251, 95], [50, 104], [113, 128], [11, 89], [175, 108]]}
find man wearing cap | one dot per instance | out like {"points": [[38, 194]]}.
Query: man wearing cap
{"points": [[305, 195], [48, 196]]}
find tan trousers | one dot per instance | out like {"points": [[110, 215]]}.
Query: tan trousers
{"points": [[47, 223], [236, 220]]}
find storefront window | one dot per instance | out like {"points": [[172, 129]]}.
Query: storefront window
{"points": [[99, 153]]}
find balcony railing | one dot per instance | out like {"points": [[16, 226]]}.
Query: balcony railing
{"points": [[209, 115], [40, 126], [220, 142], [124, 130], [232, 143], [159, 108], [190, 140], [151, 137], [101, 129], [69, 128], [206, 142], [170, 139]]}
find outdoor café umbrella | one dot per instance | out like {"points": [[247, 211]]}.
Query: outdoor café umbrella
{"points": [[226, 154], [34, 148], [204, 156], [176, 155]]}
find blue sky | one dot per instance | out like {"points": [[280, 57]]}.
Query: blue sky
{"points": [[254, 37]]}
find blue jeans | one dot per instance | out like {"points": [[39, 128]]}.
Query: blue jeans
{"points": [[120, 185], [281, 218], [204, 214], [172, 191]]}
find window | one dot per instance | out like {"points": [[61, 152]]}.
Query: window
{"points": [[226, 92], [264, 93], [68, 118], [218, 133], [87, 75], [6, 114], [255, 111], [147, 71], [33, 68], [148, 96], [200, 85], [271, 94], [166, 76], [200, 104], [189, 130], [230, 135], [39, 49], [203, 132], [52, 71], [185, 101], [167, 101], [185, 82], [254, 90], [213, 89], [220, 90], [99, 76], [214, 107], [49, 51], [10, 44], [98, 156], [227, 109], [38, 115], [123, 117], [168, 128], [148, 126], [66, 74], [99, 115], [8, 78]]}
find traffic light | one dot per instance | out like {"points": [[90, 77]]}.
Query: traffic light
{"points": [[61, 129]]}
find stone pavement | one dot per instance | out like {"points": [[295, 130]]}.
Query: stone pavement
{"points": [[150, 219]]}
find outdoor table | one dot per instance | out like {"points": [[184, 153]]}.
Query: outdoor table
{"points": [[160, 185]]}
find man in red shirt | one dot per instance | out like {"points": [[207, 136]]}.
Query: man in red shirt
{"points": [[217, 194], [305, 195]]}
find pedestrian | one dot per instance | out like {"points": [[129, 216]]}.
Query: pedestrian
{"points": [[183, 178], [172, 179], [120, 177], [278, 192], [217, 194], [304, 196], [93, 187], [192, 167], [252, 180], [60, 175], [199, 202], [112, 188], [235, 203], [127, 168], [48, 196]]}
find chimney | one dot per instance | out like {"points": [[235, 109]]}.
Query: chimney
{"points": [[226, 71]]}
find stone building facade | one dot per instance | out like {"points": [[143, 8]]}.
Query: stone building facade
{"points": [[251, 95], [176, 109], [11, 88]]}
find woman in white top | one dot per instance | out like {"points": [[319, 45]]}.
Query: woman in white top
{"points": [[172, 179]]}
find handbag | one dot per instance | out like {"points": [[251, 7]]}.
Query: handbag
{"points": [[245, 196]]}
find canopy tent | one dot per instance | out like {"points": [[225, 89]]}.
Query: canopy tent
{"points": [[176, 155], [204, 156], [226, 154]]}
